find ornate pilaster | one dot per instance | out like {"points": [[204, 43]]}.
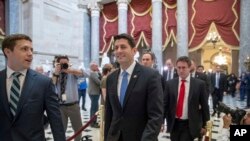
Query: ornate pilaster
{"points": [[182, 28], [244, 33], [95, 15], [122, 14], [13, 14], [157, 32], [86, 34]]}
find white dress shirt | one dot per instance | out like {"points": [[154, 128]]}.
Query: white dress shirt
{"points": [[9, 80]]}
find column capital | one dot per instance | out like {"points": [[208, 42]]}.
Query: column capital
{"points": [[123, 1], [95, 6], [156, 1]]}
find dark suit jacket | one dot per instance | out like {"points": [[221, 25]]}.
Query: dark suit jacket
{"points": [[37, 95], [165, 74], [140, 118], [204, 77], [198, 109], [222, 82]]}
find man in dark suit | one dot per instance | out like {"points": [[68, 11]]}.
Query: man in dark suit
{"points": [[186, 107], [134, 102], [195, 74], [171, 71], [25, 95], [218, 87]]}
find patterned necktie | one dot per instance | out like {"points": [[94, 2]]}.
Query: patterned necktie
{"points": [[181, 99], [14, 93], [169, 74], [63, 82], [124, 86]]}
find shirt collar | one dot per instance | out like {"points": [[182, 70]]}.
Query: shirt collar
{"points": [[187, 78], [129, 69], [10, 72]]}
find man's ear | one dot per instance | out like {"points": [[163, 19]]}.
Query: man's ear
{"points": [[6, 51]]}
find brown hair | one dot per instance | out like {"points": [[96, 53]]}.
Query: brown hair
{"points": [[10, 41], [127, 37]]}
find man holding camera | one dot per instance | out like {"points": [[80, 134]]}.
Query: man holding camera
{"points": [[66, 86], [227, 121]]}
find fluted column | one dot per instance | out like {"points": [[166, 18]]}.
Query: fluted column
{"points": [[13, 16], [182, 28], [86, 35], [244, 33], [157, 31], [95, 35], [122, 14]]}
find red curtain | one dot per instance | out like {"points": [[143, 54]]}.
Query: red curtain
{"points": [[224, 14], [139, 20], [108, 26], [2, 17]]}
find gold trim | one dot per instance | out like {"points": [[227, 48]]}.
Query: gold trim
{"points": [[165, 28], [140, 14], [192, 23], [103, 38], [235, 21], [109, 20], [142, 36], [169, 6], [133, 26]]}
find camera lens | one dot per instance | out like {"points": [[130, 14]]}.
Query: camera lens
{"points": [[64, 66]]}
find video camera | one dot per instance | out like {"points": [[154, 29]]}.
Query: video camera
{"points": [[64, 66], [237, 114]]}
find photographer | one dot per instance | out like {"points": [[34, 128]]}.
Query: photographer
{"points": [[227, 121], [65, 79]]}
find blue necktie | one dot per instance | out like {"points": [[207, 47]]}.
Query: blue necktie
{"points": [[14, 93], [124, 86]]}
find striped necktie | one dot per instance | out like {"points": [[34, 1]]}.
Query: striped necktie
{"points": [[14, 93]]}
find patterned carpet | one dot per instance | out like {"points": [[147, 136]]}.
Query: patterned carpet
{"points": [[93, 133]]}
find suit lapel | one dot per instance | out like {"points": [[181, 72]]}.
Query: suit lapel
{"points": [[176, 85], [26, 90], [116, 77], [134, 77], [191, 88], [3, 93]]}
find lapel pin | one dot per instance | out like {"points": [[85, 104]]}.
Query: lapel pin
{"points": [[135, 76]]}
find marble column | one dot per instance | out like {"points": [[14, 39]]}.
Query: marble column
{"points": [[13, 16], [122, 14], [157, 32], [95, 35], [182, 28], [86, 36], [244, 33]]}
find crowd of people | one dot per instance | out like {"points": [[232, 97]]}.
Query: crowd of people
{"points": [[139, 101]]}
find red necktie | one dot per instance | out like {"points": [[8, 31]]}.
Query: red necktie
{"points": [[181, 99]]}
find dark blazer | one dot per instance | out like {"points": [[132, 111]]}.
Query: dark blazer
{"points": [[198, 109], [204, 77], [165, 74], [37, 96], [222, 82], [140, 118]]}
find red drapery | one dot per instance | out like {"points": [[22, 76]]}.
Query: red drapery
{"points": [[108, 26], [169, 23], [139, 20], [2, 17], [224, 14]]}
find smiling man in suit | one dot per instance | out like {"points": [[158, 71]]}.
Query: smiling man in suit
{"points": [[186, 107], [134, 102], [25, 95]]}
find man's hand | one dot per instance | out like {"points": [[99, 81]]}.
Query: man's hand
{"points": [[227, 120], [203, 131]]}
